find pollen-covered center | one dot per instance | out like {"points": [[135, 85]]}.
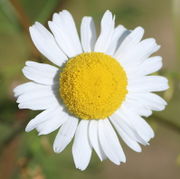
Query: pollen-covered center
{"points": [[92, 85]]}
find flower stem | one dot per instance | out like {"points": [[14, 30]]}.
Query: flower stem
{"points": [[167, 123]]}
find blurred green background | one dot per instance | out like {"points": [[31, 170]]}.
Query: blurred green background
{"points": [[27, 156]]}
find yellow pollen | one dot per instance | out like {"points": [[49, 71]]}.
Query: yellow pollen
{"points": [[93, 85]]}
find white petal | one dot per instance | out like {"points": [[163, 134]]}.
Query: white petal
{"points": [[43, 116], [36, 94], [138, 107], [64, 30], [150, 65], [52, 124], [153, 101], [148, 83], [48, 126], [46, 68], [88, 34], [157, 98], [138, 123], [94, 139], [20, 89], [39, 103], [31, 87], [107, 29], [135, 56], [46, 44], [65, 134], [117, 38], [39, 73], [81, 148], [127, 139], [109, 142], [130, 41], [121, 121], [141, 123]]}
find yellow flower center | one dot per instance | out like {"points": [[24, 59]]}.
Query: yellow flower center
{"points": [[92, 85]]}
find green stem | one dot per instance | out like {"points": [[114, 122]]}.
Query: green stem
{"points": [[167, 123]]}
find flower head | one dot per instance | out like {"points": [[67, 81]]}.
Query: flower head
{"points": [[99, 85]]}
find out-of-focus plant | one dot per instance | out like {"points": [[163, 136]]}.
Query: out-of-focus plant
{"points": [[176, 21]]}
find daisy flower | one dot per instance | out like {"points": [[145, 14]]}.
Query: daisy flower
{"points": [[98, 88]]}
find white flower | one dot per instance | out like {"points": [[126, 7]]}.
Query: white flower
{"points": [[105, 84]]}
